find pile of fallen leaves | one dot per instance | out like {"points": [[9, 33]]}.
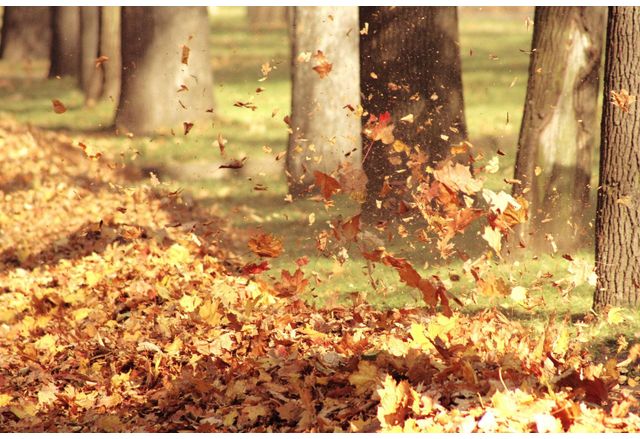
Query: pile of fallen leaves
{"points": [[123, 309]]}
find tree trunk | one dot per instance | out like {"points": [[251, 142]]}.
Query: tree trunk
{"points": [[618, 210], [268, 17], [25, 33], [325, 128], [105, 79], [410, 65], [558, 131], [153, 74], [89, 45], [65, 37]]}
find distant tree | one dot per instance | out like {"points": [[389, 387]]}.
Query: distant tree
{"points": [[268, 17], [65, 39], [25, 33], [166, 68], [107, 66], [409, 67], [559, 127], [325, 74], [89, 47], [618, 211]]}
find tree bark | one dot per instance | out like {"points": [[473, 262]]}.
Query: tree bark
{"points": [[325, 128], [25, 33], [153, 73], [268, 17], [618, 210], [410, 65], [105, 79], [65, 37], [89, 47], [558, 131]]}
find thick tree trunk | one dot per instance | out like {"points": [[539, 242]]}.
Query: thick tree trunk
{"points": [[325, 128], [410, 65], [618, 211], [268, 17], [558, 131], [65, 41], [25, 33], [159, 91], [105, 79], [89, 45]]}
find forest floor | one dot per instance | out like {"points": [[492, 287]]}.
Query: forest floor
{"points": [[495, 71]]}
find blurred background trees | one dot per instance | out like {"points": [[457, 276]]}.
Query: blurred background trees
{"points": [[25, 33], [559, 125], [325, 126], [65, 41]]}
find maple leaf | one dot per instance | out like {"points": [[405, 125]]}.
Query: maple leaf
{"points": [[457, 177], [265, 245], [323, 66], [623, 100], [380, 128], [291, 284], [327, 184]]}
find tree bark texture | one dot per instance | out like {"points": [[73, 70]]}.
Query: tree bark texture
{"points": [[618, 210], [559, 126], [89, 47]]}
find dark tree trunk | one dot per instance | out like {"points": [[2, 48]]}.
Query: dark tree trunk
{"points": [[153, 73], [268, 17], [618, 211], [325, 132], [89, 45], [105, 79], [26, 33], [410, 65], [558, 131], [65, 41]]}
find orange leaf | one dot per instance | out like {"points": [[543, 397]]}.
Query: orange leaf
{"points": [[327, 184], [58, 107]]}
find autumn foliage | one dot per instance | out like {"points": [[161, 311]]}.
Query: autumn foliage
{"points": [[124, 307]]}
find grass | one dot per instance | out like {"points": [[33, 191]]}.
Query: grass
{"points": [[493, 46]]}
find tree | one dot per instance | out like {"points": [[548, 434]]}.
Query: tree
{"points": [[65, 37], [25, 34], [618, 209], [409, 67], [267, 17], [106, 71], [89, 46], [325, 130], [166, 68], [558, 131]]}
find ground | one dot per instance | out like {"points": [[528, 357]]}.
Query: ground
{"points": [[189, 191]]}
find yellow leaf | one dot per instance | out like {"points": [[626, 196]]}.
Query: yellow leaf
{"points": [[47, 343], [365, 377], [92, 278], [5, 399], [174, 348], [418, 334], [518, 294], [493, 237], [209, 313], [81, 314], [189, 303], [493, 166], [399, 146], [441, 326], [178, 254], [615, 316], [47, 395]]}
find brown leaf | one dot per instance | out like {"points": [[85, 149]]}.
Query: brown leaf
{"points": [[187, 127], [323, 66], [265, 245], [58, 107], [328, 185], [185, 55]]}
